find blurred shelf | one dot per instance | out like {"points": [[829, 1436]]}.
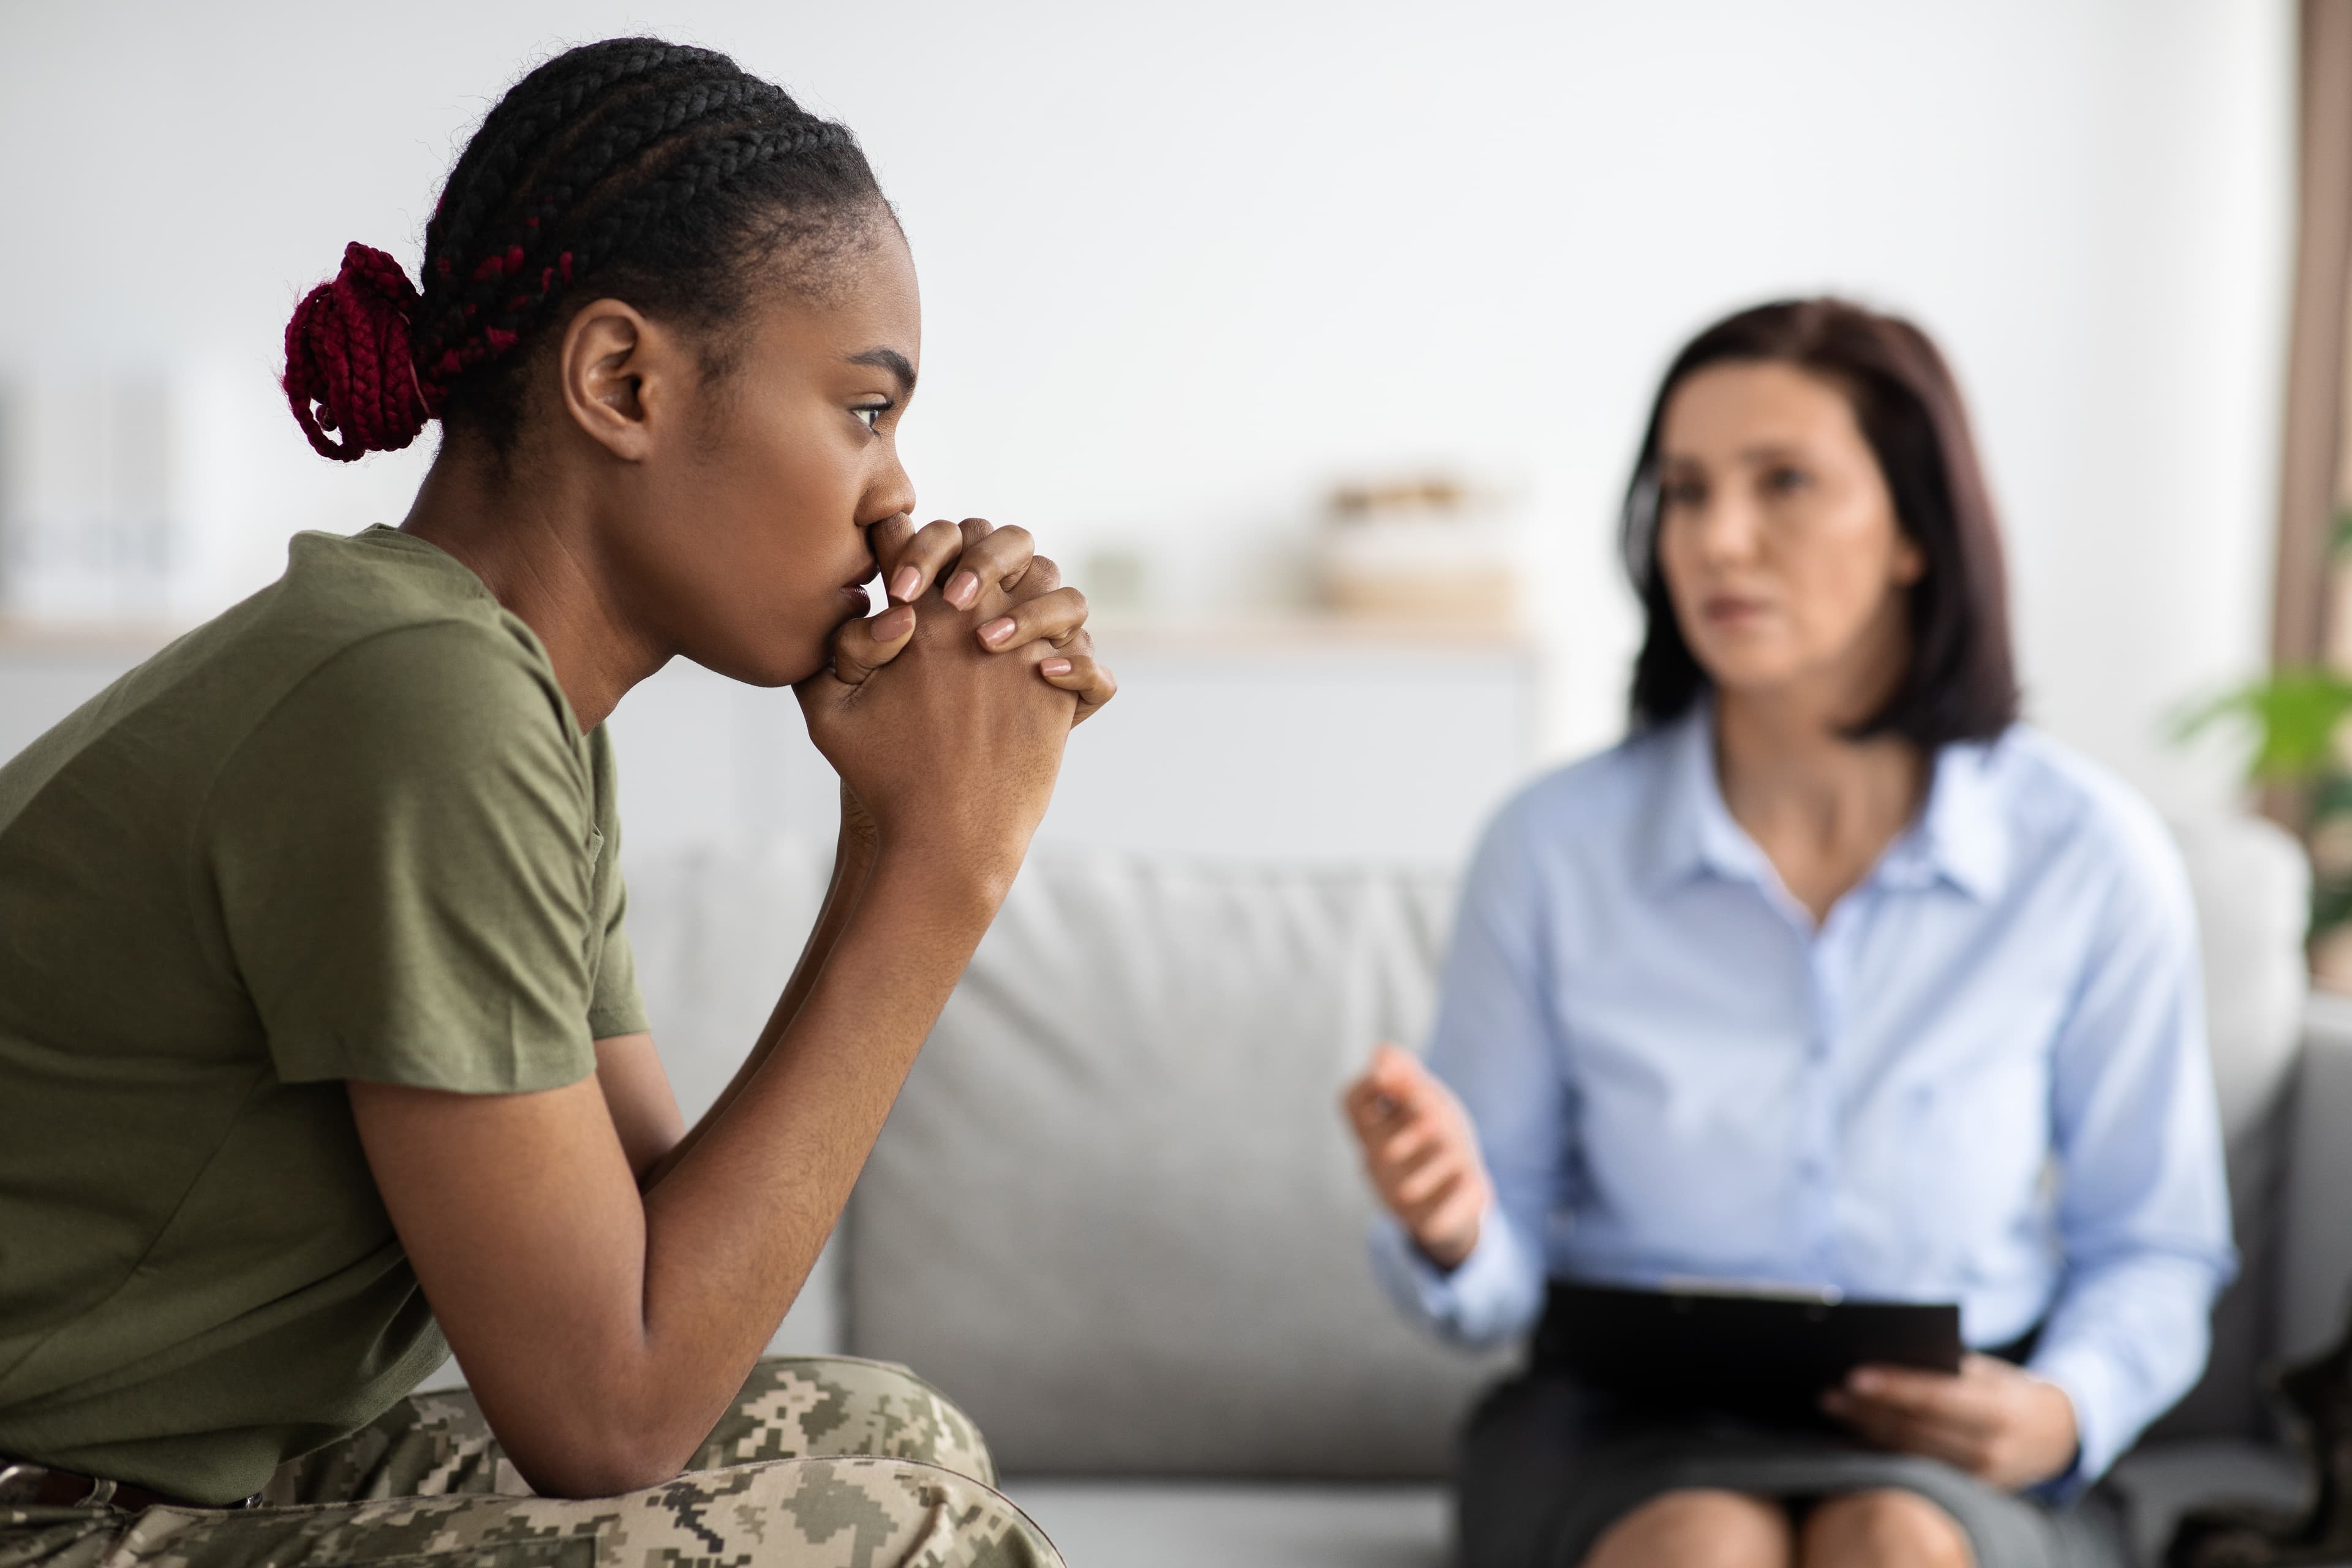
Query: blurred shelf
{"points": [[1317, 633], [1144, 634], [21, 635]]}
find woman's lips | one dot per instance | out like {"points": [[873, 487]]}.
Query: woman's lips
{"points": [[1730, 610], [856, 588]]}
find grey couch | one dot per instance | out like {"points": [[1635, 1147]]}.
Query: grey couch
{"points": [[1115, 1214]]}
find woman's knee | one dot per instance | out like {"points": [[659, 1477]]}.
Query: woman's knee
{"points": [[854, 1510], [1887, 1528], [1697, 1529], [803, 1408]]}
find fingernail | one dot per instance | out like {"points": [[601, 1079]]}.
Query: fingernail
{"points": [[964, 590], [904, 582], [1054, 667], [1864, 1383], [996, 631], [894, 623]]}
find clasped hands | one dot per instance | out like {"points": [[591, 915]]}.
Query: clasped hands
{"points": [[977, 566], [1996, 1422], [961, 760]]}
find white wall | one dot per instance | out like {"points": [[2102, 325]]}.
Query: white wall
{"points": [[1185, 264]]}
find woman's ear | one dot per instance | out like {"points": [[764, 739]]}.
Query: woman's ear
{"points": [[617, 370]]}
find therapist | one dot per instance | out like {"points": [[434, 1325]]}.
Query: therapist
{"points": [[1833, 975]]}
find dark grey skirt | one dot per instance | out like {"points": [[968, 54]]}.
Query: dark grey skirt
{"points": [[1547, 1467]]}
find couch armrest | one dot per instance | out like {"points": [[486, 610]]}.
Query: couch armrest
{"points": [[2316, 1292]]}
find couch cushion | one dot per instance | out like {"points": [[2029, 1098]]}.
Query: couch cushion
{"points": [[717, 928], [2164, 1481], [1116, 1183], [2252, 889], [1115, 1213]]}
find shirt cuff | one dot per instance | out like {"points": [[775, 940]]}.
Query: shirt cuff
{"points": [[2086, 1378], [1487, 1298]]}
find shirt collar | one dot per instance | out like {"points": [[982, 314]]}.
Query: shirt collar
{"points": [[1959, 837], [1690, 829]]}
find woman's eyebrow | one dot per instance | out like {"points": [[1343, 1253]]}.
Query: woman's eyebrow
{"points": [[892, 361]]}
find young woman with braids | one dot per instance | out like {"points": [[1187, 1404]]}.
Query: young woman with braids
{"points": [[319, 1038]]}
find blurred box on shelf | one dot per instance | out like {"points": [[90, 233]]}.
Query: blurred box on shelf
{"points": [[1428, 549]]}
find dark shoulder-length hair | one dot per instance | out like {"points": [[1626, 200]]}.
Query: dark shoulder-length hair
{"points": [[1961, 684]]}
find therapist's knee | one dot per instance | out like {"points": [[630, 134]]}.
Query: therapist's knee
{"points": [[1697, 1529], [1887, 1528]]}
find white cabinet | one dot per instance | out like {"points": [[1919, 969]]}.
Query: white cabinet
{"points": [[1285, 740], [1268, 742]]}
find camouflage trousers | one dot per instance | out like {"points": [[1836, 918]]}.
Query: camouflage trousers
{"points": [[823, 1463]]}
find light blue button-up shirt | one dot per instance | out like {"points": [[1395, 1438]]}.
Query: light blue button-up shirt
{"points": [[1982, 1079]]}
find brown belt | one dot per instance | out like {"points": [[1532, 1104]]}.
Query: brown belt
{"points": [[52, 1487]]}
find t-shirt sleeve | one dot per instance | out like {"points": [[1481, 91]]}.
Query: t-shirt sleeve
{"points": [[615, 1006], [403, 852]]}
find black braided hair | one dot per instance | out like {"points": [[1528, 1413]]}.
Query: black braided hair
{"points": [[654, 172]]}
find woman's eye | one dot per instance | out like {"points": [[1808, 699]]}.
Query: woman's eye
{"points": [[1785, 481], [1682, 494], [871, 414]]}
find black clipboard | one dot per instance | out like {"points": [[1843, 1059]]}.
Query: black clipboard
{"points": [[1762, 1352]]}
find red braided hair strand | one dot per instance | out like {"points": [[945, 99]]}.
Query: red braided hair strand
{"points": [[347, 351]]}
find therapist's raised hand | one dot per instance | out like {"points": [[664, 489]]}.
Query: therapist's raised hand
{"points": [[1998, 1422], [1421, 1154]]}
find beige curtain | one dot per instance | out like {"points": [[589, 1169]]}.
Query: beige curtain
{"points": [[2312, 598]]}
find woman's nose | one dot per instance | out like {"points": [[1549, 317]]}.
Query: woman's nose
{"points": [[1726, 529], [893, 493]]}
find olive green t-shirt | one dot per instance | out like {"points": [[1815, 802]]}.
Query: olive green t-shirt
{"points": [[347, 830]]}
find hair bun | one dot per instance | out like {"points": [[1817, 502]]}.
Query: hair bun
{"points": [[347, 352]]}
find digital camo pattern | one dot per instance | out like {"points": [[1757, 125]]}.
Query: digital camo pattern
{"points": [[822, 1463]]}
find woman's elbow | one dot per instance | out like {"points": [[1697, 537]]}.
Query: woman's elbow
{"points": [[598, 1448], [612, 1464]]}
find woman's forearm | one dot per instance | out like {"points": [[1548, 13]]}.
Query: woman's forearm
{"points": [[736, 1224], [605, 1326], [853, 859]]}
